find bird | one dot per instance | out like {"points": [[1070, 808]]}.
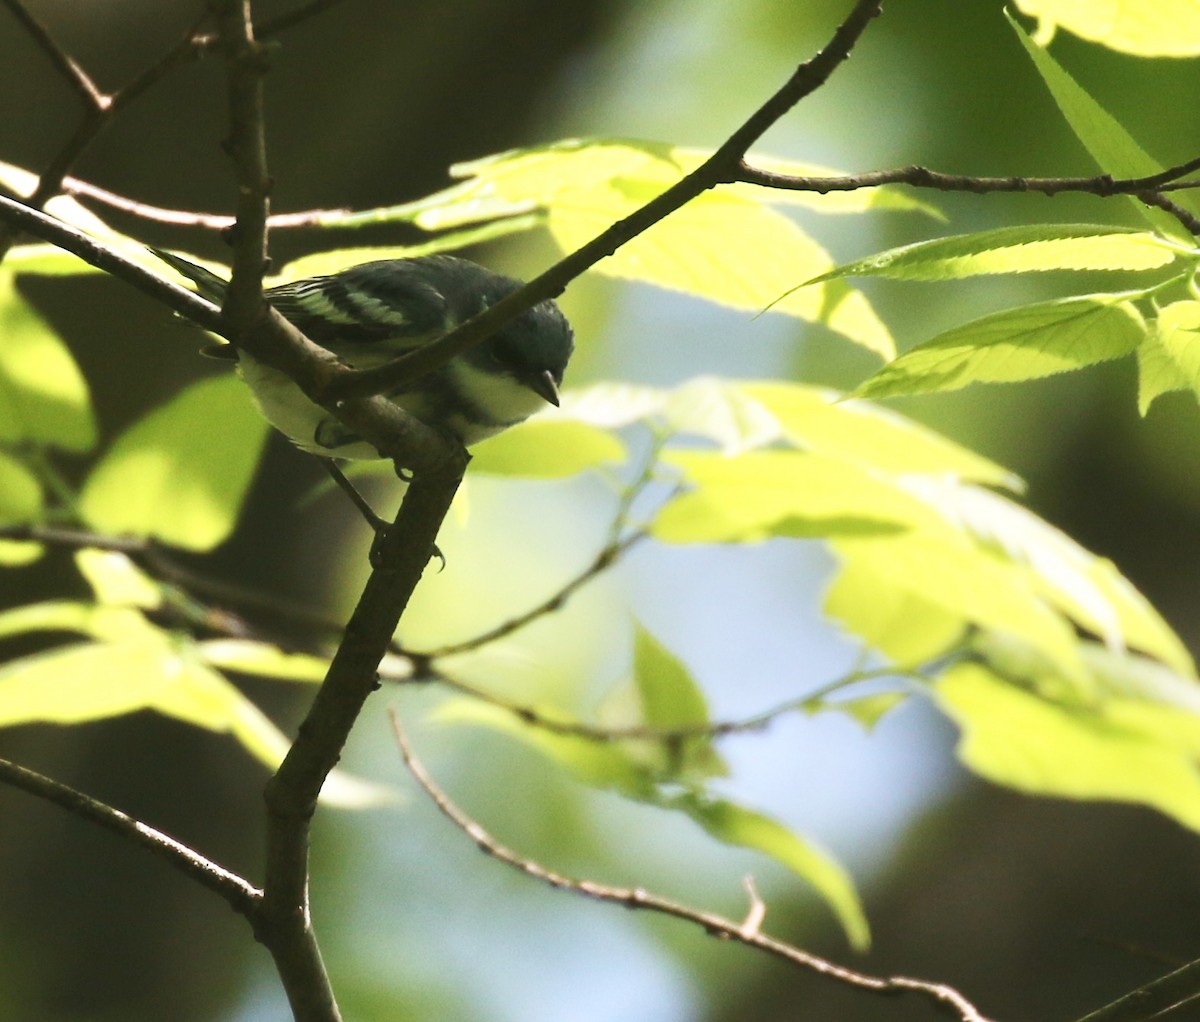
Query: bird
{"points": [[377, 311]]}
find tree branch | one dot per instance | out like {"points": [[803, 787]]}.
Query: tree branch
{"points": [[188, 218], [191, 306], [807, 78], [945, 998], [99, 108], [1102, 185], [90, 95], [241, 896]]}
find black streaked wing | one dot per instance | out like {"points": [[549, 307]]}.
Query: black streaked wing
{"points": [[377, 301]]}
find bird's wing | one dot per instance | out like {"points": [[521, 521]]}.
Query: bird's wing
{"points": [[208, 284], [374, 302]]}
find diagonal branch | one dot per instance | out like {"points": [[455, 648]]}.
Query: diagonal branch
{"points": [[718, 168], [79, 80], [241, 896], [946, 998], [20, 216]]}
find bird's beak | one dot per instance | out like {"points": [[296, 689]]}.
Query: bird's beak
{"points": [[544, 386]]}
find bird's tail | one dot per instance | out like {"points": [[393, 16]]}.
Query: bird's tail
{"points": [[208, 284]]}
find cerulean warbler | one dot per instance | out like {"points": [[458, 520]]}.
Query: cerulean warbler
{"points": [[375, 312]]}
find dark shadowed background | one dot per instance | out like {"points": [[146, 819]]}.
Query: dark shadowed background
{"points": [[1037, 909]]}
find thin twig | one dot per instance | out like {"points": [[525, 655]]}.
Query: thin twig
{"points": [[621, 538], [1102, 185], [665, 735], [1154, 999], [79, 80], [241, 896], [944, 997], [100, 108], [188, 218], [600, 563]]}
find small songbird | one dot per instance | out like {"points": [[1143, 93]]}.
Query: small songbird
{"points": [[375, 312]]}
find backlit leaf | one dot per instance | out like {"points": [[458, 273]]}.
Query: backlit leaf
{"points": [[547, 447], [181, 472], [247, 656], [779, 493], [1169, 359], [43, 396], [117, 581], [821, 420], [1120, 749], [720, 411], [1115, 151], [1025, 343], [728, 245], [1022, 249], [20, 493], [900, 623], [1147, 28]]}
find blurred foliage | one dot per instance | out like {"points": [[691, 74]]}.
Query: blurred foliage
{"points": [[1062, 679]]}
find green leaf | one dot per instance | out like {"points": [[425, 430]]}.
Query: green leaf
{"points": [[607, 765], [868, 710], [117, 581], [1022, 249], [246, 656], [20, 492], [897, 622], [96, 622], [320, 264], [17, 553], [965, 583], [613, 405], [705, 406], [1169, 359], [822, 421], [1086, 588], [779, 493], [733, 824], [1026, 343], [43, 396], [669, 699], [728, 245], [46, 261], [720, 411], [1110, 145], [181, 473], [1118, 749], [547, 447], [1147, 28], [89, 681]]}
